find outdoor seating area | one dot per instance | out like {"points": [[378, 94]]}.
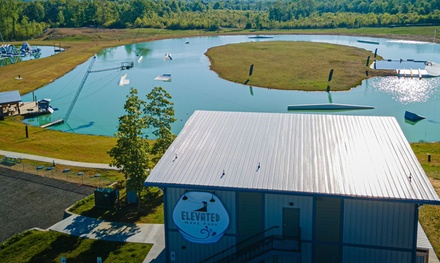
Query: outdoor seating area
{"points": [[10, 160]]}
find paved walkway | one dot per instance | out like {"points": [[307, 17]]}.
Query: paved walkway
{"points": [[88, 227], [56, 160]]}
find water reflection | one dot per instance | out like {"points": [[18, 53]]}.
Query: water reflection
{"points": [[408, 90]]}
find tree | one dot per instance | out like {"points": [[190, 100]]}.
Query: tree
{"points": [[131, 151], [159, 116]]}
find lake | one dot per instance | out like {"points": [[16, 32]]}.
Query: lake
{"points": [[195, 87]]}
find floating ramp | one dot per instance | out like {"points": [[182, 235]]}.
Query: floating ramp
{"points": [[368, 42], [328, 106], [52, 123], [411, 116], [124, 81], [163, 77]]}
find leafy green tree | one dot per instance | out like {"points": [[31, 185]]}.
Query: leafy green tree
{"points": [[159, 116], [131, 151]]}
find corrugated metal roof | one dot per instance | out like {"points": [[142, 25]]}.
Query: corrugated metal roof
{"points": [[358, 156], [10, 97]]}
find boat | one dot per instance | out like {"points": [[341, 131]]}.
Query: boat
{"points": [[163, 77], [124, 81], [411, 116], [328, 106]]}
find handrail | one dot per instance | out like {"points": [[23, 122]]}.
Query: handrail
{"points": [[238, 244], [263, 246]]}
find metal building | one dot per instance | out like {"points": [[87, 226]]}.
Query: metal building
{"points": [[247, 187]]}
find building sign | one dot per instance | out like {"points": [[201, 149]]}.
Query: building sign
{"points": [[201, 217]]}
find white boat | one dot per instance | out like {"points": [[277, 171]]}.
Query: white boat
{"points": [[124, 81]]}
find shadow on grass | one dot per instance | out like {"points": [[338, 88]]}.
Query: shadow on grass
{"points": [[125, 212], [81, 250], [62, 244]]}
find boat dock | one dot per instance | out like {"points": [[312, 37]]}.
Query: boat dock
{"points": [[23, 108]]}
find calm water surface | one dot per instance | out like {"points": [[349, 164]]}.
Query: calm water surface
{"points": [[195, 87]]}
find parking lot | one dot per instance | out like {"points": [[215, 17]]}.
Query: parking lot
{"points": [[28, 200]]}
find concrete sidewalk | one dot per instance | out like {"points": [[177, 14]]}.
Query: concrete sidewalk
{"points": [[88, 227], [56, 160]]}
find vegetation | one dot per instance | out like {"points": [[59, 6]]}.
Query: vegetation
{"points": [[292, 65], [54, 143], [151, 211], [130, 154], [159, 114], [49, 246], [27, 19], [429, 215]]}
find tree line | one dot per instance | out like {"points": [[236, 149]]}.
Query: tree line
{"points": [[26, 19]]}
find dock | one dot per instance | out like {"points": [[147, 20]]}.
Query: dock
{"points": [[413, 73], [27, 107], [52, 123]]}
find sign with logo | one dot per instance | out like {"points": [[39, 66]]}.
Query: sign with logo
{"points": [[201, 217]]}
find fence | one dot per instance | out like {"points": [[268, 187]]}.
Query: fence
{"points": [[91, 177]]}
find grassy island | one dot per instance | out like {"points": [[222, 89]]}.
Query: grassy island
{"points": [[293, 65]]}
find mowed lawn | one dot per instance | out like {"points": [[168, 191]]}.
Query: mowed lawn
{"points": [[49, 246], [293, 65]]}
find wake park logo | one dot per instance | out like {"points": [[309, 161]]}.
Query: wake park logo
{"points": [[201, 217]]}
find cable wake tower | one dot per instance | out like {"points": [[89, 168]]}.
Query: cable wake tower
{"points": [[124, 66]]}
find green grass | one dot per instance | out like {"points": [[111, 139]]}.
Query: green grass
{"points": [[56, 144], [429, 215], [292, 65], [48, 246], [151, 211]]}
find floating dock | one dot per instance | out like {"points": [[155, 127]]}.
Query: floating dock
{"points": [[52, 123]]}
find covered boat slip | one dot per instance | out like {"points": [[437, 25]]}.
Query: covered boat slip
{"points": [[345, 188]]}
